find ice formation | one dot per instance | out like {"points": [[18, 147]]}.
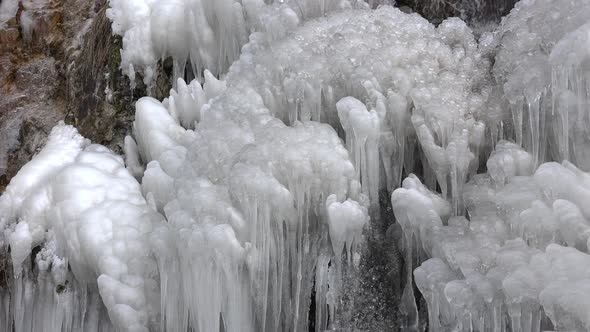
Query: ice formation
{"points": [[243, 195], [206, 34], [79, 203], [251, 187], [541, 69], [522, 251]]}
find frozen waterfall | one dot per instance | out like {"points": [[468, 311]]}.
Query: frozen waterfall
{"points": [[245, 200]]}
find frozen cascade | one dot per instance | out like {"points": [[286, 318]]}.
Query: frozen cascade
{"points": [[239, 210], [267, 82], [252, 186]]}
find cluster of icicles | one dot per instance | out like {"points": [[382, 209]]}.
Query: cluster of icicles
{"points": [[240, 196]]}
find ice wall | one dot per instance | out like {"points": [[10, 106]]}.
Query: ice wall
{"points": [[250, 188], [248, 171]]}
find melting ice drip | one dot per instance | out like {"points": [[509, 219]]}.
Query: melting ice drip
{"points": [[238, 196]]}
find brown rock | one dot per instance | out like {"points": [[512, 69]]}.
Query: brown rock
{"points": [[9, 37]]}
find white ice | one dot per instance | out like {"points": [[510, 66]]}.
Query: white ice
{"points": [[203, 33], [509, 259], [245, 188], [81, 198]]}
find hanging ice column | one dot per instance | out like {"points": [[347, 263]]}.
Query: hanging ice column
{"points": [[571, 96], [362, 137], [418, 211]]}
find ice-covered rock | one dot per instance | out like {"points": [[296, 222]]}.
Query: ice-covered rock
{"points": [[81, 199]]}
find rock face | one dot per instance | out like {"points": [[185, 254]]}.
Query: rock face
{"points": [[475, 12], [59, 60], [100, 99], [30, 102]]}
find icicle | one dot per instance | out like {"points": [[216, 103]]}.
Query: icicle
{"points": [[363, 128]]}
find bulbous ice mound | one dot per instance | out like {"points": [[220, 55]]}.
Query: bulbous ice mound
{"points": [[80, 203], [542, 72]]}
